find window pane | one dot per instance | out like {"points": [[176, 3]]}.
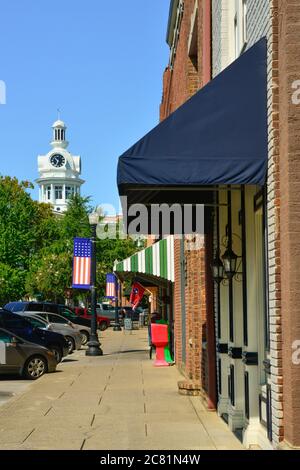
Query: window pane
{"points": [[50, 308], [69, 192], [67, 313], [56, 319], [14, 321], [58, 192], [34, 308], [35, 322]]}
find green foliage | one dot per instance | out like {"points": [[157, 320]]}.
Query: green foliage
{"points": [[50, 272], [11, 283], [36, 246], [108, 251], [50, 275]]}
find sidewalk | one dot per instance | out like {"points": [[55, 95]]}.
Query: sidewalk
{"points": [[117, 401]]}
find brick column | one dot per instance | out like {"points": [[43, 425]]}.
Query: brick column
{"points": [[289, 165]]}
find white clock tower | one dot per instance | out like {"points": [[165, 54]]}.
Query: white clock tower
{"points": [[59, 171]]}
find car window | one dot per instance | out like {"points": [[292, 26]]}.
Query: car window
{"points": [[34, 307], [14, 321], [67, 313], [56, 318], [50, 308], [107, 307], [36, 322], [6, 337]]}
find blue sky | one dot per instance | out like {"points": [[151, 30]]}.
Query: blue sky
{"points": [[100, 62]]}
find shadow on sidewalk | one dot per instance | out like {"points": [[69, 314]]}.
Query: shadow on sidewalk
{"points": [[127, 351]]}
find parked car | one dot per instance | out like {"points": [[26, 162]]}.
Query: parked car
{"points": [[103, 322], [18, 356], [108, 310], [65, 311], [60, 320], [21, 327], [127, 312], [72, 335]]}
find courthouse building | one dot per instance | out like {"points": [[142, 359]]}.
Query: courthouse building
{"points": [[229, 138]]}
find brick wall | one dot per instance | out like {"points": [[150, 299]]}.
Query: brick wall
{"points": [[180, 81], [195, 313], [289, 170], [177, 306], [273, 209], [258, 15]]}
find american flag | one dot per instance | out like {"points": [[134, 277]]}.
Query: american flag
{"points": [[111, 285], [82, 263]]}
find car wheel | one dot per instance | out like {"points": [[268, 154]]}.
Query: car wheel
{"points": [[103, 325], [71, 344], [35, 367], [84, 337], [57, 353]]}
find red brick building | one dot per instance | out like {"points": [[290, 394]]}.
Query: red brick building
{"points": [[237, 335]]}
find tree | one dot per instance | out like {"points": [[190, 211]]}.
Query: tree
{"points": [[50, 271], [50, 275], [36, 246], [25, 227], [12, 281]]}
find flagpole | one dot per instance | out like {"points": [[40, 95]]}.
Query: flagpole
{"points": [[117, 321]]}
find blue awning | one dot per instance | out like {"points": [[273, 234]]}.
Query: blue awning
{"points": [[219, 136]]}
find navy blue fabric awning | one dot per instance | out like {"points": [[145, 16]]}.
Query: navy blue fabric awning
{"points": [[219, 136]]}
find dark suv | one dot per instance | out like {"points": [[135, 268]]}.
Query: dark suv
{"points": [[21, 327]]}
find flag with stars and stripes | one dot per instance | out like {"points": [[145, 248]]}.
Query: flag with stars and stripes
{"points": [[82, 263], [111, 286]]}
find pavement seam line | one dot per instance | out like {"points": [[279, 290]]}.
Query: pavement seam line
{"points": [[48, 411], [28, 435], [82, 445], [204, 427], [93, 419]]}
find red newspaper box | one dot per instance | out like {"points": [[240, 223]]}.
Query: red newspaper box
{"points": [[159, 337]]}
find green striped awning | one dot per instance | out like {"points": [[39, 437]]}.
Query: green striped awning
{"points": [[156, 260]]}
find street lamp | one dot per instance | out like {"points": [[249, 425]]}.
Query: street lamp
{"points": [[230, 261], [217, 268], [94, 348]]}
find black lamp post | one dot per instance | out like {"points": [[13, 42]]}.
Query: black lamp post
{"points": [[94, 348]]}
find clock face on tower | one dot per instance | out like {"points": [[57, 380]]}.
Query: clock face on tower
{"points": [[57, 160]]}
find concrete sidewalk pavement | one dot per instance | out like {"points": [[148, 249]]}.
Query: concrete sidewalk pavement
{"points": [[117, 401]]}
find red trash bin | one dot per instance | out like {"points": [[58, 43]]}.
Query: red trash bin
{"points": [[159, 337]]}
